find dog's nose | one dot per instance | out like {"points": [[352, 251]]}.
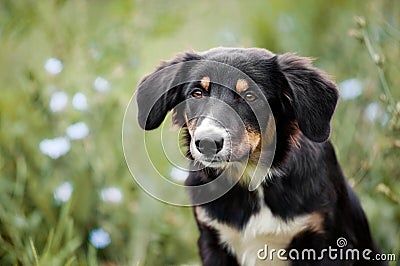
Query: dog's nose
{"points": [[209, 145]]}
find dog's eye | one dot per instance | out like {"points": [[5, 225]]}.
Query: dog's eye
{"points": [[197, 93], [250, 97]]}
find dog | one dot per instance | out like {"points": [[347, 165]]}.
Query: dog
{"points": [[303, 203]]}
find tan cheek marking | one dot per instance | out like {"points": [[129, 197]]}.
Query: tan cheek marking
{"points": [[190, 124], [270, 131], [205, 82], [241, 85], [249, 140], [253, 138]]}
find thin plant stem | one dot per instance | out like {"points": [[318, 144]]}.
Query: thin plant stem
{"points": [[35, 255], [381, 74]]}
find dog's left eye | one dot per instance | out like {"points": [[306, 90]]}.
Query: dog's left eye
{"points": [[197, 93], [250, 97]]}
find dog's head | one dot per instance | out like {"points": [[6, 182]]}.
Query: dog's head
{"points": [[226, 112]]}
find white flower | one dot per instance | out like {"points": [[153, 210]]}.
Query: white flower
{"points": [[111, 194], [95, 53], [350, 89], [79, 101], [384, 119], [178, 174], [101, 84], [373, 112], [56, 147], [53, 66], [58, 101], [286, 23], [99, 238], [63, 192], [78, 130]]}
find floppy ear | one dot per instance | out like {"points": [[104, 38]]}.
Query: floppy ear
{"points": [[157, 94], [312, 94]]}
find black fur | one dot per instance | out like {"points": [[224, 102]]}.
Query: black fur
{"points": [[302, 99]]}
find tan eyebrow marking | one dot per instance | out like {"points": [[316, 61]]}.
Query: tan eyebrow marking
{"points": [[241, 85], [205, 82]]}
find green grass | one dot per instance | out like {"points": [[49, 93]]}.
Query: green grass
{"points": [[121, 41]]}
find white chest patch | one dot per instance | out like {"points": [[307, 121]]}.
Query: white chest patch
{"points": [[263, 229]]}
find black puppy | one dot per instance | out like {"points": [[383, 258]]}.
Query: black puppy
{"points": [[304, 210]]}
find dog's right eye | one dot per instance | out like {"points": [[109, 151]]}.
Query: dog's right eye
{"points": [[197, 93]]}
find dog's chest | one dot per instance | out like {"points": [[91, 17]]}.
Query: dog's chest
{"points": [[262, 231]]}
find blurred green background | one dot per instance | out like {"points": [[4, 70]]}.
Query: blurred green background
{"points": [[69, 68]]}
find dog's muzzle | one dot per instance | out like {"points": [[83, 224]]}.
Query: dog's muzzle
{"points": [[211, 142]]}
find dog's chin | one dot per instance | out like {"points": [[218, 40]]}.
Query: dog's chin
{"points": [[219, 161], [218, 164]]}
